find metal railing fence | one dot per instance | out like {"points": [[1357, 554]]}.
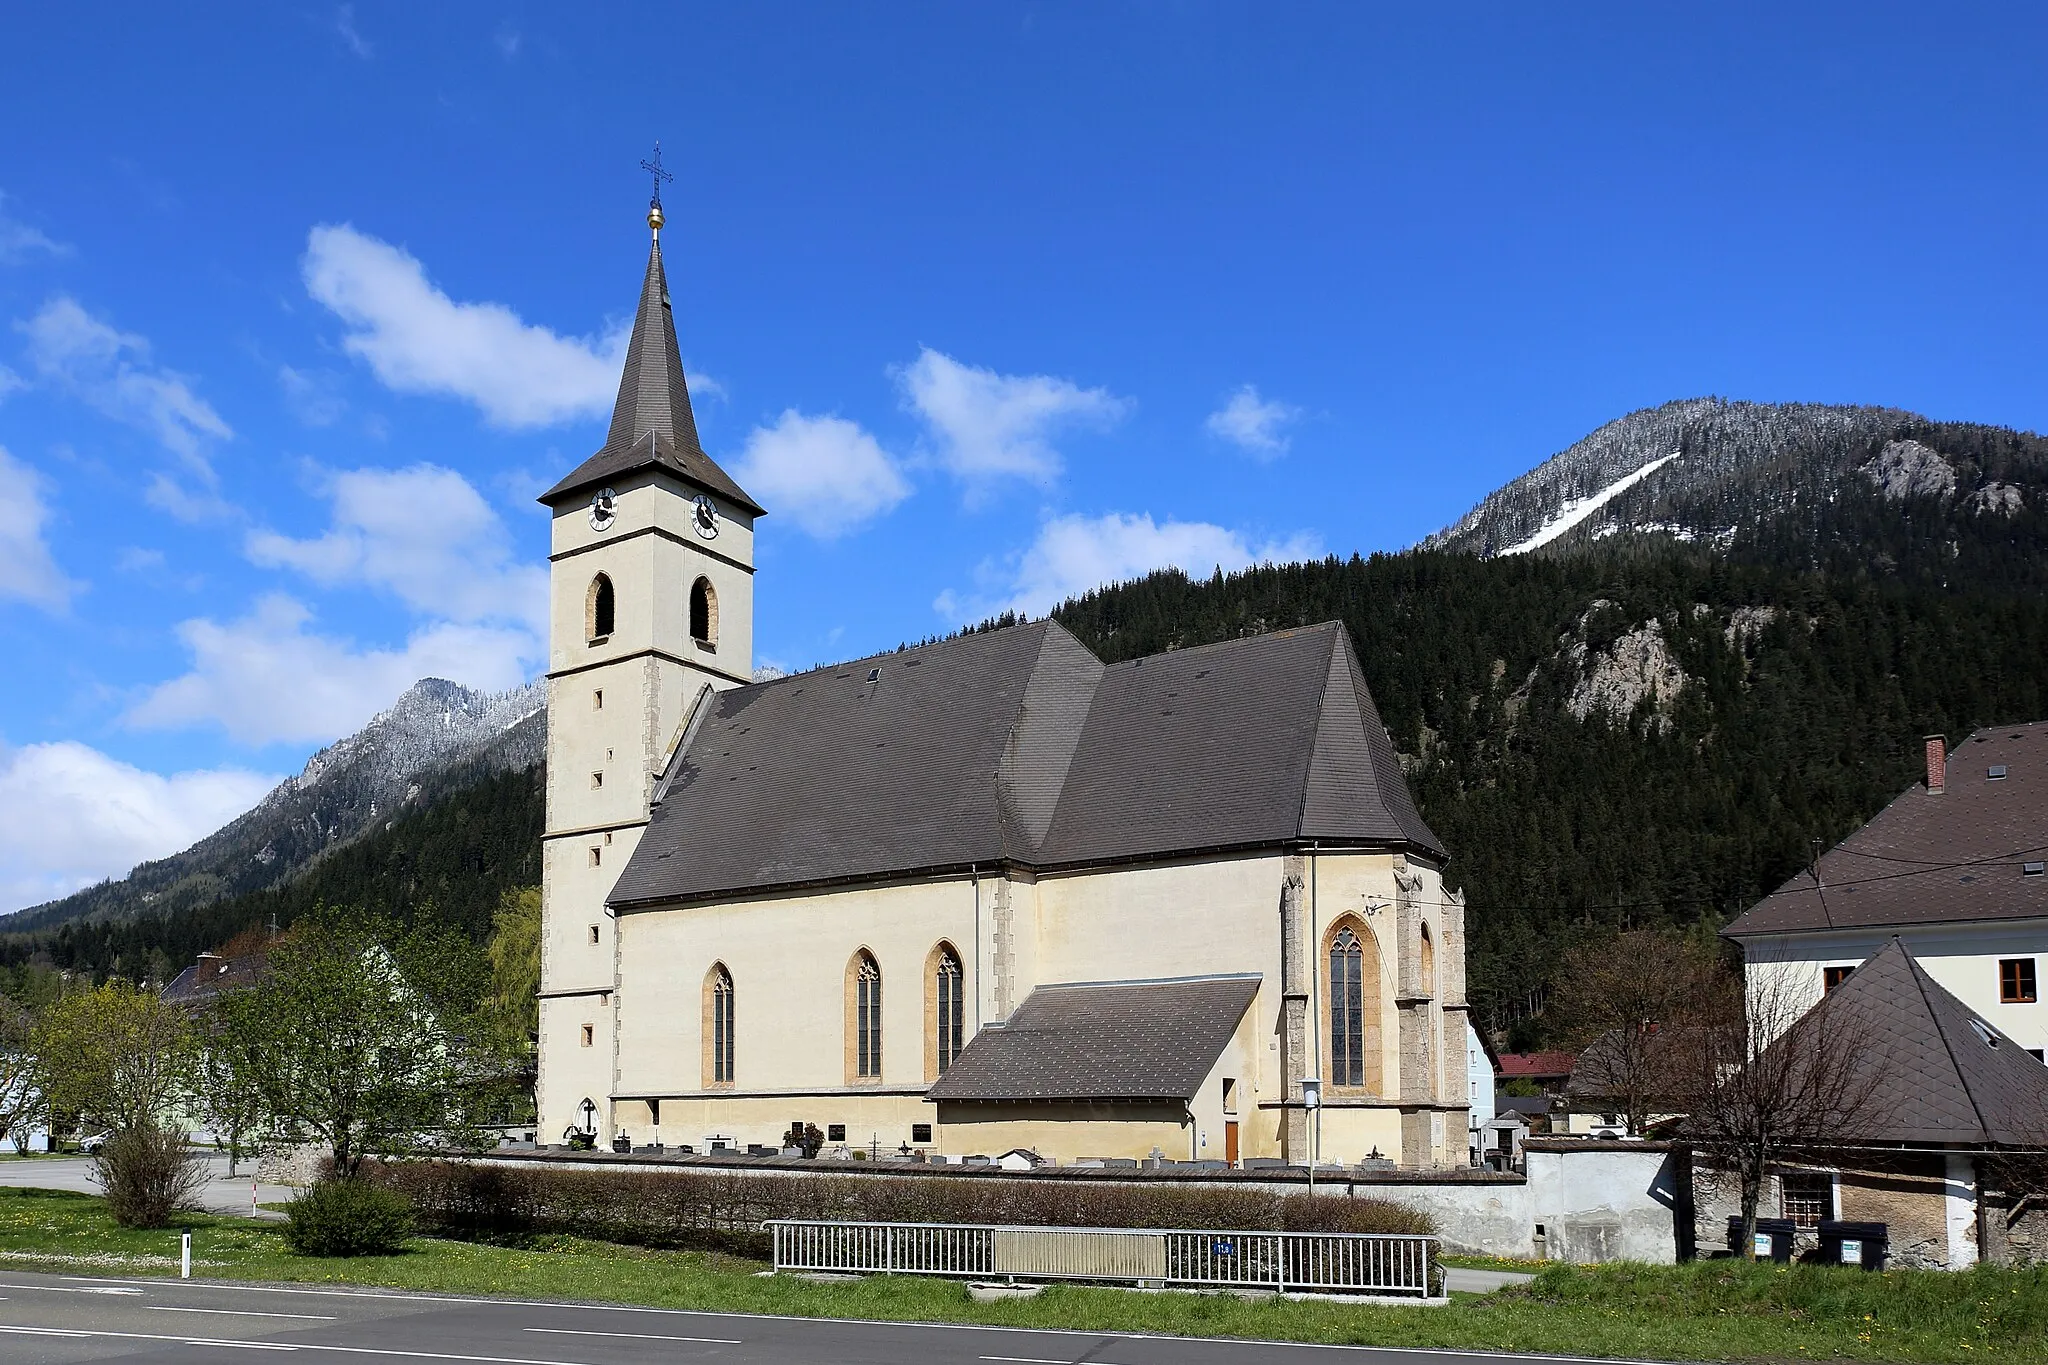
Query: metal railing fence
{"points": [[1323, 1262]]}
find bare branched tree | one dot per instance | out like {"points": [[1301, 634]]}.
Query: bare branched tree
{"points": [[1767, 1080], [1622, 1002]]}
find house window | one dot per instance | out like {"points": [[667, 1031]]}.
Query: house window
{"points": [[865, 992], [1831, 977], [1229, 1095], [704, 613], [2016, 981], [1807, 1199], [589, 1035], [950, 1007], [1347, 1009], [599, 610]]}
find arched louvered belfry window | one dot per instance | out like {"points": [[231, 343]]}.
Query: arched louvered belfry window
{"points": [[864, 1017], [1347, 1009], [703, 613], [601, 609], [718, 1026], [950, 1014]]}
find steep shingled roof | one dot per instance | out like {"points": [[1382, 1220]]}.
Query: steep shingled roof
{"points": [[1933, 858], [1018, 745], [1126, 1040], [1942, 1074], [653, 425]]}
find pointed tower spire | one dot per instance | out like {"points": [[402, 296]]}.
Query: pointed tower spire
{"points": [[653, 395], [652, 422]]}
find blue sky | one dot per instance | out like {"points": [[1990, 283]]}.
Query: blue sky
{"points": [[301, 304]]}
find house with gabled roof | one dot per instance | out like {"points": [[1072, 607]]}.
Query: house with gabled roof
{"points": [[1949, 1147], [981, 894], [1956, 868]]}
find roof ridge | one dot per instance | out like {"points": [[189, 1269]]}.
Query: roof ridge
{"points": [[1331, 624], [1315, 737], [1948, 1049]]}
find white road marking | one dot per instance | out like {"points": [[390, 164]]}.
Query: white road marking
{"points": [[237, 1312], [274, 1346], [1030, 1360], [66, 1289], [644, 1336]]}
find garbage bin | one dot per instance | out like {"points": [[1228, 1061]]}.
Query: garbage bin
{"points": [[1773, 1238], [1863, 1244]]}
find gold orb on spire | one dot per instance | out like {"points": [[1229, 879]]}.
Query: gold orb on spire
{"points": [[654, 219]]}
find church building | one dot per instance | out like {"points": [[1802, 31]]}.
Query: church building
{"points": [[983, 894]]}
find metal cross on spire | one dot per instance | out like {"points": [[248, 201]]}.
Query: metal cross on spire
{"points": [[661, 176]]}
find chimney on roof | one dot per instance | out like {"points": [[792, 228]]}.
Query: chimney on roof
{"points": [[1937, 765]]}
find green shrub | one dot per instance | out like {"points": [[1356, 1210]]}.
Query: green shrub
{"points": [[148, 1175], [348, 1218], [722, 1210]]}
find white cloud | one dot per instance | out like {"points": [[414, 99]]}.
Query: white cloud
{"points": [[76, 816], [418, 340], [1254, 423], [267, 679], [111, 370], [10, 381], [824, 473], [1076, 553], [345, 25], [19, 241], [991, 426], [423, 534], [28, 573]]}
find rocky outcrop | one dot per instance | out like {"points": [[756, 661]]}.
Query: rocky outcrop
{"points": [[1908, 469], [1618, 679]]}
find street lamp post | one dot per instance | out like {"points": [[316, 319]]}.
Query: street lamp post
{"points": [[1312, 1100]]}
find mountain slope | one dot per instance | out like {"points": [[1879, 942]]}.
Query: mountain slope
{"points": [[1736, 475], [353, 786]]}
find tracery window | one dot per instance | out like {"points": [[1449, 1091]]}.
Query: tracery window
{"points": [[867, 1013], [718, 1026], [1347, 1009], [947, 980]]}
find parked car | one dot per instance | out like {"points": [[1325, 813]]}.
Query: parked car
{"points": [[91, 1145]]}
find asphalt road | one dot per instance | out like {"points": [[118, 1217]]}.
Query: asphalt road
{"points": [[221, 1194], [56, 1320]]}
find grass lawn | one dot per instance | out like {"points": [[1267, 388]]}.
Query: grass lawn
{"points": [[1708, 1311]]}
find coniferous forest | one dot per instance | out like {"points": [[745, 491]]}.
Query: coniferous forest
{"points": [[1632, 731]]}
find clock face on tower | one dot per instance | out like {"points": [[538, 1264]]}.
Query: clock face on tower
{"points": [[603, 509], [706, 519]]}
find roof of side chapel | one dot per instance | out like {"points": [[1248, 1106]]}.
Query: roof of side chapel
{"points": [[1018, 745]]}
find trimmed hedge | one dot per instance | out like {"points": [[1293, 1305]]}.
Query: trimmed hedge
{"points": [[714, 1210]]}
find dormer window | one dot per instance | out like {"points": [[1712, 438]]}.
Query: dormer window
{"points": [[1996, 773]]}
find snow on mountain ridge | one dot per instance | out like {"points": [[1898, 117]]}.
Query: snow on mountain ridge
{"points": [[1578, 509]]}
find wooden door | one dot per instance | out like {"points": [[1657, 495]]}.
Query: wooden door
{"points": [[1230, 1141]]}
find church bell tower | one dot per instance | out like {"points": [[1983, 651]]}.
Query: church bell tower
{"points": [[651, 603]]}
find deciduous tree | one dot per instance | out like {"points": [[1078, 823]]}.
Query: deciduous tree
{"points": [[118, 1056]]}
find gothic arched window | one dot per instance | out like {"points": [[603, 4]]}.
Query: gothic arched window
{"points": [[599, 613], [1347, 1009], [949, 1013], [718, 1026], [1427, 962], [703, 613], [864, 1002]]}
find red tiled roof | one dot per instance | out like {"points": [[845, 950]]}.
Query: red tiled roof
{"points": [[1514, 1064]]}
